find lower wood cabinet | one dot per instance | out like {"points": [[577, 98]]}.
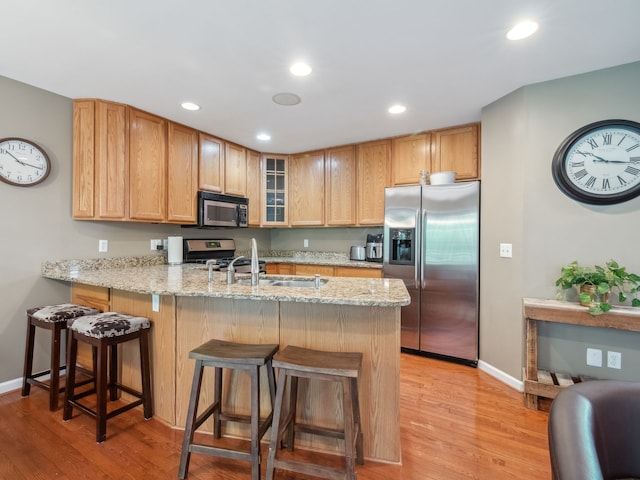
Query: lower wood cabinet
{"points": [[308, 269], [324, 270]]}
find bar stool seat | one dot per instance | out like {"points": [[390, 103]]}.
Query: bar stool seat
{"points": [[104, 332], [342, 367], [53, 318], [221, 355]]}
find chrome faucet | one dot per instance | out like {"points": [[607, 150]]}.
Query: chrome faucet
{"points": [[255, 265], [231, 272], [210, 264]]}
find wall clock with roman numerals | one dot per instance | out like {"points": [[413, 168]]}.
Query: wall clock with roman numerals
{"points": [[599, 163]]}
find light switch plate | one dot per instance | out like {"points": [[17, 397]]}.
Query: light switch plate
{"points": [[594, 357], [103, 245], [155, 302], [506, 250]]}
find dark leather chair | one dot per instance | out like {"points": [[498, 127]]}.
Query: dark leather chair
{"points": [[594, 431]]}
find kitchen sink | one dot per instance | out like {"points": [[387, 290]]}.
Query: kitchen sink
{"points": [[283, 282]]}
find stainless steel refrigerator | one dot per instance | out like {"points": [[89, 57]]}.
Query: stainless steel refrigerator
{"points": [[431, 241]]}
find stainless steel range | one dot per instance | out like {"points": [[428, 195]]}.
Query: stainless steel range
{"points": [[221, 251]]}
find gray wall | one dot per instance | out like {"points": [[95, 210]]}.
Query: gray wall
{"points": [[522, 205]]}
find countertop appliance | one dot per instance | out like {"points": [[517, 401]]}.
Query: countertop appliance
{"points": [[222, 251], [432, 243], [218, 210], [373, 249], [357, 253]]}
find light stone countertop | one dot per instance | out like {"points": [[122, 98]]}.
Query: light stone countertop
{"points": [[149, 275]]}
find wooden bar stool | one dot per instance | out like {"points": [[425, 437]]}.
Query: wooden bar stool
{"points": [[343, 367], [104, 332], [53, 318], [235, 356]]}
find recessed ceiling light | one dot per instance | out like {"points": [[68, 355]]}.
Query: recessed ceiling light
{"points": [[263, 136], [397, 109], [190, 106], [286, 99], [522, 30], [300, 69]]}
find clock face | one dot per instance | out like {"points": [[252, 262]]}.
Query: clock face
{"points": [[22, 162], [600, 163]]}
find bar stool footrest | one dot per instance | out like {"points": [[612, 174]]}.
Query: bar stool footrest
{"points": [[327, 432], [220, 452], [313, 469]]}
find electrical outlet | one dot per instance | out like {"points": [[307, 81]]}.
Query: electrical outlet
{"points": [[506, 250], [103, 245], [156, 244], [305, 243], [594, 357], [614, 360]]}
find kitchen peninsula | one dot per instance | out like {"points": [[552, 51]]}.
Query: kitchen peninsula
{"points": [[344, 314]]}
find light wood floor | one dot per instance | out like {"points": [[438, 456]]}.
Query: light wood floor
{"points": [[457, 422]]}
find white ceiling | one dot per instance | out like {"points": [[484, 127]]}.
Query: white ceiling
{"points": [[444, 59]]}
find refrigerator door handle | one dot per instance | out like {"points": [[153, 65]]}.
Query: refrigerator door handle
{"points": [[416, 251], [423, 224]]}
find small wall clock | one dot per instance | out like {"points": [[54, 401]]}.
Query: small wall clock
{"points": [[22, 162], [599, 163]]}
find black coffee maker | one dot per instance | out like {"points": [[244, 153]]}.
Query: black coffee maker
{"points": [[373, 249]]}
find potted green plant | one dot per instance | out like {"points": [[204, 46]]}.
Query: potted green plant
{"points": [[596, 283]]}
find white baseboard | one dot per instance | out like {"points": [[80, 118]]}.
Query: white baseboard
{"points": [[10, 385], [502, 376], [16, 383]]}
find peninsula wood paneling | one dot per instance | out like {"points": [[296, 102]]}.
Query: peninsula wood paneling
{"points": [[376, 333], [201, 319], [161, 345]]}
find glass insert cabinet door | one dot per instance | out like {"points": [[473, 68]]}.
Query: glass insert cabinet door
{"points": [[275, 200]]}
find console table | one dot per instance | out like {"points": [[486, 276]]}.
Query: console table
{"points": [[543, 310]]}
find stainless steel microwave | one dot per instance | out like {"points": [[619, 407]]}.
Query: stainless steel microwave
{"points": [[217, 210]]}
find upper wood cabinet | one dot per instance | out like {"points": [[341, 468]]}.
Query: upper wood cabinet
{"points": [[456, 149], [275, 194], [373, 161], [147, 166], [306, 189], [340, 191], [410, 155], [132, 165], [235, 170], [99, 160], [84, 132], [182, 174], [211, 163], [253, 187]]}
